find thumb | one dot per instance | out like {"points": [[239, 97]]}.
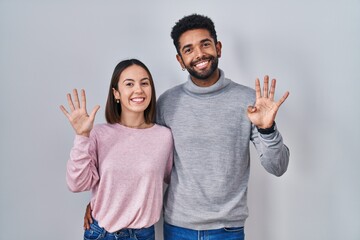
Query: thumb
{"points": [[251, 109], [94, 111]]}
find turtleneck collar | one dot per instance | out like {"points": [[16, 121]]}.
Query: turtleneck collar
{"points": [[191, 88]]}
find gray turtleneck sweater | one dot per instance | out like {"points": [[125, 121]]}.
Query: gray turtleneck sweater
{"points": [[211, 130]]}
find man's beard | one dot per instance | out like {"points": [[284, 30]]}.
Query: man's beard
{"points": [[214, 61]]}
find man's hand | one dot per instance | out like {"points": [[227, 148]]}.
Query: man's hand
{"points": [[87, 218], [263, 114]]}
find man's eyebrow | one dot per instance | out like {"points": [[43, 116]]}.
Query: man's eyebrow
{"points": [[205, 40], [186, 46]]}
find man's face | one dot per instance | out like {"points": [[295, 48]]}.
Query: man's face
{"points": [[199, 53]]}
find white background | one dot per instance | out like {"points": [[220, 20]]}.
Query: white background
{"points": [[47, 48]]}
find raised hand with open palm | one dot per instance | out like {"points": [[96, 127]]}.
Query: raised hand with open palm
{"points": [[79, 119], [263, 113]]}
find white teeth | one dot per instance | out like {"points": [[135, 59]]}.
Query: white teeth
{"points": [[137, 99], [202, 64]]}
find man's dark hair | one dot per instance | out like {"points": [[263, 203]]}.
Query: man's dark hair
{"points": [[191, 22]]}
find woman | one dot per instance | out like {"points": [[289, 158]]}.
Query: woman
{"points": [[123, 162]]}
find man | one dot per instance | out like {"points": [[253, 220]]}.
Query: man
{"points": [[211, 130], [213, 120]]}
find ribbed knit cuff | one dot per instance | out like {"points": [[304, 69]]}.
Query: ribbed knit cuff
{"points": [[267, 130]]}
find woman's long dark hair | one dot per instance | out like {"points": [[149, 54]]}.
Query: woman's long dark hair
{"points": [[113, 109]]}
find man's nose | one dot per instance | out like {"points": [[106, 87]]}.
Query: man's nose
{"points": [[198, 52]]}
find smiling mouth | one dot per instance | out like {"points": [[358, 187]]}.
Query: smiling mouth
{"points": [[138, 99], [201, 65]]}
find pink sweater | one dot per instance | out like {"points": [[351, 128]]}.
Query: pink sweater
{"points": [[125, 168]]}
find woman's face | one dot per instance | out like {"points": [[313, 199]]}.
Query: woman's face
{"points": [[134, 90]]}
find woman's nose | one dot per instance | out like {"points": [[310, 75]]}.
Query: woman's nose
{"points": [[138, 88]]}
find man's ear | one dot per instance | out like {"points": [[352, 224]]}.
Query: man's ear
{"points": [[218, 47], [179, 59]]}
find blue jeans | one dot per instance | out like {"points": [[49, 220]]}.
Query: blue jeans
{"points": [[172, 232], [97, 232]]}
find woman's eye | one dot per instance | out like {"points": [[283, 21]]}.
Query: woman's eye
{"points": [[145, 83], [129, 84]]}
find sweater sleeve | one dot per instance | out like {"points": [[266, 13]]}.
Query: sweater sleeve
{"points": [[82, 171], [273, 153], [159, 119], [169, 164]]}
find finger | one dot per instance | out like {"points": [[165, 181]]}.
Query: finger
{"points": [[257, 88], [62, 108], [88, 213], [76, 99], [272, 89], [87, 218], [251, 109], [70, 102], [83, 99], [86, 224], [93, 112], [266, 86], [284, 97]]}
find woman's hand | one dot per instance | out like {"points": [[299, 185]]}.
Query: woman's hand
{"points": [[78, 117]]}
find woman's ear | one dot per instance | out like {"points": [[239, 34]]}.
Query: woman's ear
{"points": [[116, 93]]}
